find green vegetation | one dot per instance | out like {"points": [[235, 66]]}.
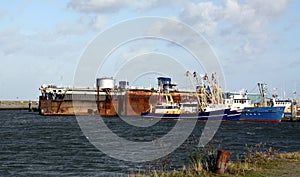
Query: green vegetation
{"points": [[256, 162]]}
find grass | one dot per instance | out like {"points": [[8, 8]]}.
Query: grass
{"points": [[257, 161]]}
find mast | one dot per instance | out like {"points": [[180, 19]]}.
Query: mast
{"points": [[262, 90], [212, 97], [188, 74], [197, 78], [203, 93], [217, 91]]}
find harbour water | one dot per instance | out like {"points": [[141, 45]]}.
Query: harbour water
{"points": [[55, 145]]}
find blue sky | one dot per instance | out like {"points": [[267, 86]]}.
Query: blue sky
{"points": [[41, 41]]}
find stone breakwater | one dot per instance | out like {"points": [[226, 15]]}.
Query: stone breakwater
{"points": [[18, 105]]}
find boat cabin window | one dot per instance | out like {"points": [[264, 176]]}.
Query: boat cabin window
{"points": [[159, 107], [166, 107], [240, 101]]}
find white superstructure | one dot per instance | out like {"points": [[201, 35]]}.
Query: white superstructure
{"points": [[238, 101]]}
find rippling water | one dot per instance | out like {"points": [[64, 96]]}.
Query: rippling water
{"points": [[55, 146]]}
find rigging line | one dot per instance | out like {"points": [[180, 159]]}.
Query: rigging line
{"points": [[253, 89]]}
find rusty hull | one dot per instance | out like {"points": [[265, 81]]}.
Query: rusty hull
{"points": [[124, 103]]}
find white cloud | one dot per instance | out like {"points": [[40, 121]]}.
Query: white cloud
{"points": [[155, 3], [111, 6], [203, 16], [253, 16], [250, 16], [249, 20], [166, 29], [252, 20], [98, 22], [101, 6]]}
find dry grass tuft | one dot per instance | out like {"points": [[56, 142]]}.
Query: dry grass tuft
{"points": [[258, 161]]}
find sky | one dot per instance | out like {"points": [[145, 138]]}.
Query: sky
{"points": [[41, 42]]}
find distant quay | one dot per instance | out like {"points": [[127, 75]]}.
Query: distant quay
{"points": [[19, 105]]}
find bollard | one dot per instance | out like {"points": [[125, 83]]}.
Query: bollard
{"points": [[29, 106], [222, 160]]}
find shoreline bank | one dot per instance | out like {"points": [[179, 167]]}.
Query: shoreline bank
{"points": [[261, 164], [18, 105]]}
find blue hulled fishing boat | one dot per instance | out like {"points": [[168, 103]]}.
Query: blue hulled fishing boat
{"points": [[263, 112]]}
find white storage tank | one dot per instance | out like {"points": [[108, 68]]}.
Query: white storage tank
{"points": [[105, 83]]}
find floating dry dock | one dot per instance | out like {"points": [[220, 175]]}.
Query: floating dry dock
{"points": [[105, 100], [130, 102]]}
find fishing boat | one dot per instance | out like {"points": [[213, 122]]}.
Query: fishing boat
{"points": [[262, 112], [202, 110], [176, 111]]}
